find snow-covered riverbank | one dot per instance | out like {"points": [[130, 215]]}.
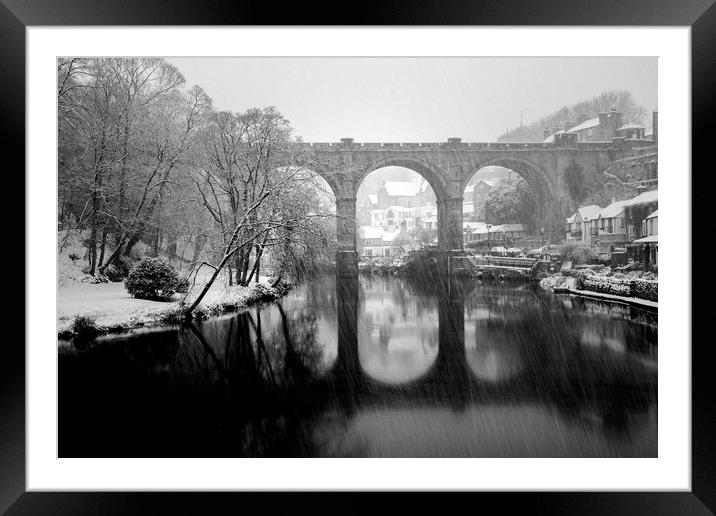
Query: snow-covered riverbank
{"points": [[567, 283], [111, 307]]}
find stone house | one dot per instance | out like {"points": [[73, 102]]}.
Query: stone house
{"points": [[602, 128], [647, 247], [632, 131], [503, 233], [379, 242], [394, 217], [579, 225], [406, 194], [621, 221]]}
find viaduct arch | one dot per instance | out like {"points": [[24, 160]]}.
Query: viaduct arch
{"points": [[448, 166]]}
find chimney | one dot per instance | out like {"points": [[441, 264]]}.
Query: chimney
{"points": [[603, 119], [546, 133], [617, 116]]}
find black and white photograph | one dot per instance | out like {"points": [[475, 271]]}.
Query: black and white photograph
{"points": [[387, 257], [298, 258]]}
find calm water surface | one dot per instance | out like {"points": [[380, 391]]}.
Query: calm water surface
{"points": [[376, 366]]}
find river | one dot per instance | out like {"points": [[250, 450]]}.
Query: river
{"points": [[373, 367]]}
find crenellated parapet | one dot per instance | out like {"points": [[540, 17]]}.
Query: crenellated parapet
{"points": [[457, 144]]}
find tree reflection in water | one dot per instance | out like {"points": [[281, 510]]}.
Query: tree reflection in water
{"points": [[376, 366]]}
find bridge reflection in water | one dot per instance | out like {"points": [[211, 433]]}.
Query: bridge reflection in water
{"points": [[532, 355], [374, 366]]}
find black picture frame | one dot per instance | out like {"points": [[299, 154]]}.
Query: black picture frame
{"points": [[700, 15]]}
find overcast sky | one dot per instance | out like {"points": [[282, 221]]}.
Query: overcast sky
{"points": [[414, 99]]}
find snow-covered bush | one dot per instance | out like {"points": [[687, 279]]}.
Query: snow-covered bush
{"points": [[152, 278], [604, 284], [579, 253], [261, 292], [84, 328], [646, 289]]}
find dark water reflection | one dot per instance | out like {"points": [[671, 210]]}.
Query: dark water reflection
{"points": [[373, 367]]}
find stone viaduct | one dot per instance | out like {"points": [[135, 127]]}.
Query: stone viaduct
{"points": [[448, 166]]}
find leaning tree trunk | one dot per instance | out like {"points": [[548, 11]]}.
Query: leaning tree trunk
{"points": [[255, 270]]}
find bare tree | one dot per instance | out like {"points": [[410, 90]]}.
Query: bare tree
{"points": [[170, 138], [256, 188]]}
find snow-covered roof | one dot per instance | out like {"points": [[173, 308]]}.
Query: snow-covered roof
{"points": [[550, 138], [616, 208], [371, 232], [393, 209], [469, 188], [502, 228], [480, 227], [490, 182], [631, 126], [587, 124], [653, 215], [389, 236], [402, 188], [468, 207], [510, 227], [589, 212], [612, 210], [643, 198], [571, 219], [471, 225], [647, 239]]}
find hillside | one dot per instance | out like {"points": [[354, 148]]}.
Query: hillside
{"points": [[622, 100]]}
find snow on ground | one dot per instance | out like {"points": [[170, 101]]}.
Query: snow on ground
{"points": [[558, 281], [110, 304]]}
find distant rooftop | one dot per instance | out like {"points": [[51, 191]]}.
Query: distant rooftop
{"points": [[616, 208], [589, 212], [402, 188], [631, 126]]}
